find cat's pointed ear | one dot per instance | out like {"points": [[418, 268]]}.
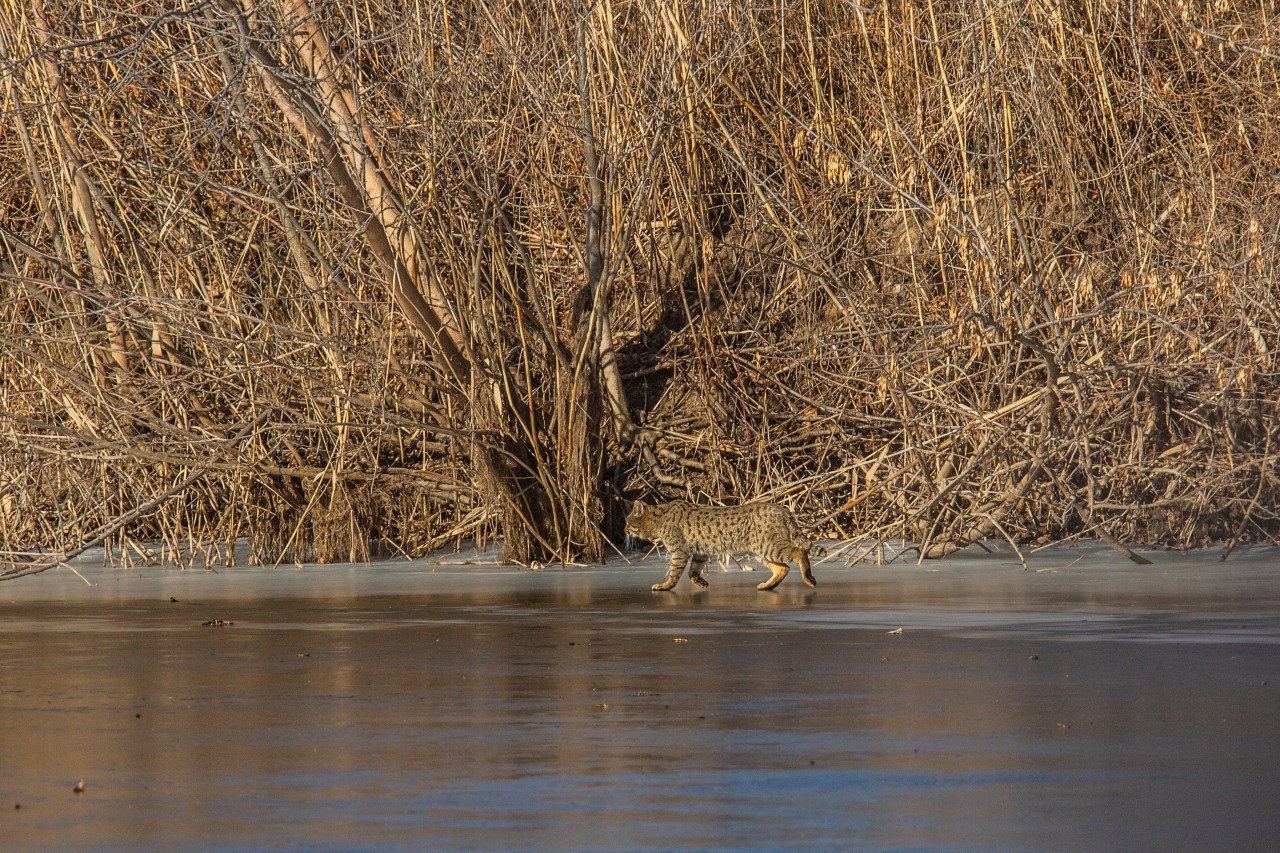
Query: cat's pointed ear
{"points": [[638, 508]]}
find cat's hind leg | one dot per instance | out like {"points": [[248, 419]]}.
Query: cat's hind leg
{"points": [[779, 572], [678, 562]]}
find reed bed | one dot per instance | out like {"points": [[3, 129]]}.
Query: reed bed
{"points": [[375, 277]]}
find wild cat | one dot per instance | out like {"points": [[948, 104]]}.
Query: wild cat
{"points": [[694, 533]]}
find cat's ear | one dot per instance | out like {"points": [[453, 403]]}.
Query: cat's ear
{"points": [[638, 508]]}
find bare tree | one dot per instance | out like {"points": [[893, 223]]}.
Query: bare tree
{"points": [[930, 271]]}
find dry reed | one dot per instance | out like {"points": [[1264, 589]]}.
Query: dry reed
{"points": [[940, 271]]}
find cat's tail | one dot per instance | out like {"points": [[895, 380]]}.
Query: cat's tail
{"points": [[809, 547], [803, 550]]}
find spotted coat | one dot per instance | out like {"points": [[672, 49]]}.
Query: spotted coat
{"points": [[695, 533]]}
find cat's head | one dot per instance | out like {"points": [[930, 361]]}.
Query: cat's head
{"points": [[639, 521]]}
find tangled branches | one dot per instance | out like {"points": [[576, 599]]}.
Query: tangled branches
{"points": [[940, 271]]}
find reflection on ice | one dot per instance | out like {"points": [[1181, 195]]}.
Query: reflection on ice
{"points": [[1087, 703]]}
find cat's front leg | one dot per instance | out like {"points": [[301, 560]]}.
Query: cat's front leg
{"points": [[696, 565], [678, 561]]}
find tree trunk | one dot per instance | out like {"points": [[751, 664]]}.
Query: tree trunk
{"points": [[547, 499]]}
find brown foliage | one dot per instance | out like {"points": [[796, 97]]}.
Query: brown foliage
{"points": [[936, 270]]}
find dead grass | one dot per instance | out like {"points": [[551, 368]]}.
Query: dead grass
{"points": [[940, 271]]}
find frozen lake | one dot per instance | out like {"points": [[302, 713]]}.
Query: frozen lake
{"points": [[1086, 704]]}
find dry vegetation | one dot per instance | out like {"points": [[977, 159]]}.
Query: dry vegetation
{"points": [[394, 274]]}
